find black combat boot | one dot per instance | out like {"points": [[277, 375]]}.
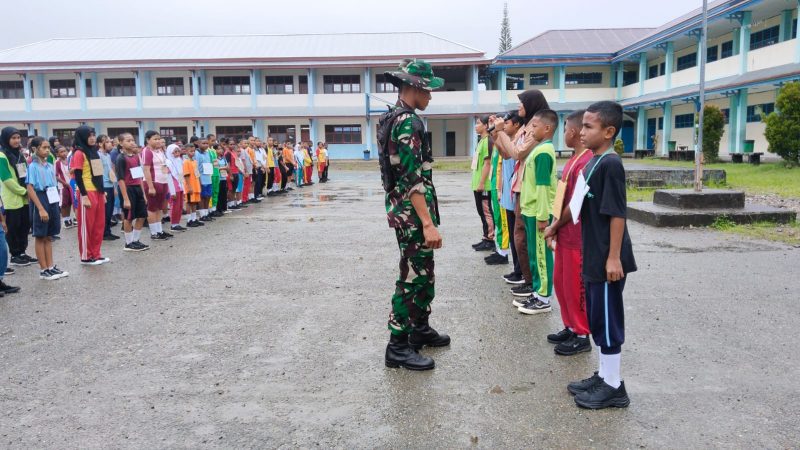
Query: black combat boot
{"points": [[400, 354], [422, 334]]}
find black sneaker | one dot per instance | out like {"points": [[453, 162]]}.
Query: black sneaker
{"points": [[601, 395], [167, 235], [234, 207], [514, 278], [199, 224], [523, 290], [573, 346], [48, 275], [164, 219], [89, 262], [10, 271], [561, 336], [520, 301], [59, 272], [6, 289], [158, 237], [496, 259], [576, 387], [19, 261], [177, 228], [140, 245], [485, 246], [205, 219], [475, 246], [192, 224], [110, 237], [55, 238], [535, 306], [29, 258]]}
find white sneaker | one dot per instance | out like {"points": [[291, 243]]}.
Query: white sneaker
{"points": [[101, 261]]}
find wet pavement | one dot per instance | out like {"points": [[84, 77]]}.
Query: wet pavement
{"points": [[267, 329]]}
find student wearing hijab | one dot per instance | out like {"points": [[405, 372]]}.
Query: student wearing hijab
{"points": [[87, 168], [518, 148], [175, 165], [13, 171]]}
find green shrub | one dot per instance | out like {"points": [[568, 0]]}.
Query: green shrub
{"points": [[619, 146], [713, 128], [783, 125]]}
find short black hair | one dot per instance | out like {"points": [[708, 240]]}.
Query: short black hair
{"points": [[193, 139], [484, 120], [610, 114], [514, 117], [547, 116], [36, 142], [576, 118]]}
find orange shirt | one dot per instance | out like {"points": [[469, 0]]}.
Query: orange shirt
{"points": [[190, 170], [288, 156]]}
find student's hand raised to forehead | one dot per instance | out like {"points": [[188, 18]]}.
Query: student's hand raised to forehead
{"points": [[498, 122]]}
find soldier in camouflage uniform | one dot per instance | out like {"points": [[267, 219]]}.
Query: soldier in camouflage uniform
{"points": [[412, 210]]}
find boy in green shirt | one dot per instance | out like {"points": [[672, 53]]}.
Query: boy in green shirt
{"points": [[481, 186], [536, 200]]}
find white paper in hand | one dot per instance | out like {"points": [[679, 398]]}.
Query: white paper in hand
{"points": [[208, 169], [52, 195], [137, 173], [576, 202]]}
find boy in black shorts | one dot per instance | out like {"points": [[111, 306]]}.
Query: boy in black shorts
{"points": [[134, 203], [607, 256]]}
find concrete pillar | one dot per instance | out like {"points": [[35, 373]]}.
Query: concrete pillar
{"points": [[666, 134], [561, 74], [501, 82], [741, 120], [195, 91], [312, 130], [620, 76], [312, 87], [140, 124], [733, 122], [744, 40], [642, 71], [670, 63], [147, 83], [641, 129], [473, 141], [82, 89], [31, 129], [138, 80], [797, 42], [26, 91], [370, 144], [196, 128], [95, 85], [473, 70], [558, 137], [43, 130], [786, 25], [368, 80], [253, 89], [40, 86]]}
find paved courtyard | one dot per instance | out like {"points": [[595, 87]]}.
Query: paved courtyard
{"points": [[267, 329]]}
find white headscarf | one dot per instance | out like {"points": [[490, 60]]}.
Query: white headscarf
{"points": [[175, 164]]}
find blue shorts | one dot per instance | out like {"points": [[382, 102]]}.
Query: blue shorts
{"points": [[53, 225], [206, 191], [606, 315], [239, 183]]}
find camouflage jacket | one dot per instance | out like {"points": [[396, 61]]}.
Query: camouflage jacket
{"points": [[411, 160]]}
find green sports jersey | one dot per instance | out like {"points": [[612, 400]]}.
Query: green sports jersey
{"points": [[478, 161], [539, 182]]}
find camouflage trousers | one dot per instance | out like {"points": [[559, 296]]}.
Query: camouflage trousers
{"points": [[414, 289]]}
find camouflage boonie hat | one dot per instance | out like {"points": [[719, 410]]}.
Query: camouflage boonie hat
{"points": [[417, 73]]}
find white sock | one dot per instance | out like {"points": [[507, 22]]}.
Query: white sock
{"points": [[128, 238], [601, 372], [137, 234], [193, 217], [502, 252], [160, 227], [611, 366], [213, 209]]}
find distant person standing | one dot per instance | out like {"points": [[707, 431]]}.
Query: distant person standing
{"points": [[13, 171], [412, 210]]}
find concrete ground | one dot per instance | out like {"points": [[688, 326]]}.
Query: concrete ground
{"points": [[267, 329]]}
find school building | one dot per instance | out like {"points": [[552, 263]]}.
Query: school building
{"points": [[331, 87]]}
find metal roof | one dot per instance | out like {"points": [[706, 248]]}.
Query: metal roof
{"points": [[577, 42], [329, 49]]}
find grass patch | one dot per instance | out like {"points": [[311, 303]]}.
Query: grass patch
{"points": [[723, 223], [768, 178], [453, 166], [785, 233]]}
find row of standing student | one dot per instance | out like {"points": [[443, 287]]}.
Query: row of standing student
{"points": [[525, 211], [153, 185]]}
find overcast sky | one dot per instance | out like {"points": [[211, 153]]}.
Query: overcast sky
{"points": [[471, 22]]}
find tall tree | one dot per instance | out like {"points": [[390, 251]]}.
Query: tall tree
{"points": [[505, 31]]}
